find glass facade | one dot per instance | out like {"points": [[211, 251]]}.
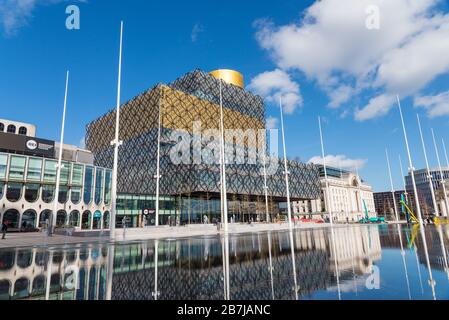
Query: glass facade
{"points": [[17, 168], [34, 169], [32, 192], [50, 171], [88, 184], [30, 180], [98, 186], [3, 165]]}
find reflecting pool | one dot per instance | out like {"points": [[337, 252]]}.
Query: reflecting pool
{"points": [[347, 262]]}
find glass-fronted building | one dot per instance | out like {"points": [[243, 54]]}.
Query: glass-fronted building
{"points": [[27, 193], [28, 184]]}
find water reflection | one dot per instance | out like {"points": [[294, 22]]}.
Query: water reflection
{"points": [[321, 264]]}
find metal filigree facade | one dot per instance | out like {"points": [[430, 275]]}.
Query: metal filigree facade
{"points": [[192, 99]]}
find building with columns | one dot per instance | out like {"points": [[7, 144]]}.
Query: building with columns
{"points": [[441, 199], [349, 195]]}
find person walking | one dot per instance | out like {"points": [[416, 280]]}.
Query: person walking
{"points": [[4, 229]]}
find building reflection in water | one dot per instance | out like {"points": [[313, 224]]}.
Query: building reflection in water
{"points": [[254, 266]]}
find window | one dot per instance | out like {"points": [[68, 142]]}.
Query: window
{"points": [[77, 174], [50, 171], [11, 218], [30, 217], [98, 186], [75, 195], [74, 218], [2, 127], [61, 218], [85, 220], [32, 192], [23, 131], [2, 188], [48, 193], [44, 216], [107, 189], [11, 128], [14, 192], [3, 164], [65, 173], [34, 169], [17, 168], [88, 184], [63, 194]]}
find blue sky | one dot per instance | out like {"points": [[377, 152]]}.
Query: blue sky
{"points": [[320, 55]]}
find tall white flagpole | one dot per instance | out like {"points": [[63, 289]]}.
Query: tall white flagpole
{"points": [[223, 164], [331, 217], [392, 186], [403, 180], [59, 165], [289, 210], [418, 208], [116, 143], [158, 173], [437, 152], [265, 187], [334, 244], [429, 175], [447, 163], [412, 169]]}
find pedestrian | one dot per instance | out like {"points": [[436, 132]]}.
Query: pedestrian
{"points": [[24, 226], [4, 229]]}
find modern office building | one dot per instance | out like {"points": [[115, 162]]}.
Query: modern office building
{"points": [[189, 110], [384, 204], [349, 196], [423, 186], [28, 179]]}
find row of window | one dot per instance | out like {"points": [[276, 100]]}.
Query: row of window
{"points": [[33, 192], [12, 129], [77, 180], [29, 219]]}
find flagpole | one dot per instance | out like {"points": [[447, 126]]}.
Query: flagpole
{"points": [[392, 186], [51, 230], [116, 143], [289, 210], [223, 164], [334, 245], [158, 174], [437, 152], [447, 163], [429, 175], [418, 208], [265, 187], [331, 217]]}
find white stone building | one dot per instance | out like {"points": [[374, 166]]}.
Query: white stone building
{"points": [[441, 199], [348, 196]]}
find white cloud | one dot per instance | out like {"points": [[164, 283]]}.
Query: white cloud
{"points": [[196, 30], [376, 107], [82, 143], [272, 85], [272, 123], [340, 161], [332, 46], [15, 14], [437, 105]]}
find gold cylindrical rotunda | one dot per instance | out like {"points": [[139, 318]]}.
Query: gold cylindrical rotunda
{"points": [[229, 76]]}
